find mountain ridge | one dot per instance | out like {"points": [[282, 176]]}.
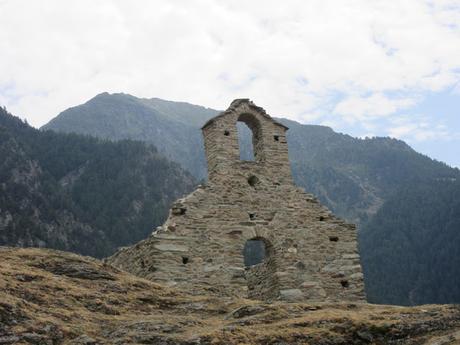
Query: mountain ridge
{"points": [[354, 177]]}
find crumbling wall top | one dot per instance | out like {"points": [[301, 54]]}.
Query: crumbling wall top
{"points": [[235, 104]]}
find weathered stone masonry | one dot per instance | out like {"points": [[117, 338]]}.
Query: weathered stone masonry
{"points": [[310, 254]]}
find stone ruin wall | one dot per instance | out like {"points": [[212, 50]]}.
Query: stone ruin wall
{"points": [[310, 254]]}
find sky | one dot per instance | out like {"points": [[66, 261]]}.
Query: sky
{"points": [[363, 67]]}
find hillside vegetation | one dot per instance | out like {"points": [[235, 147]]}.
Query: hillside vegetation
{"points": [[82, 194], [415, 246], [171, 127]]}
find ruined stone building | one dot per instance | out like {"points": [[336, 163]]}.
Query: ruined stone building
{"points": [[307, 253]]}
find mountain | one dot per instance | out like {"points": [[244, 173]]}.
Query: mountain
{"points": [[357, 179], [171, 127], [355, 176], [351, 176], [76, 193], [51, 297]]}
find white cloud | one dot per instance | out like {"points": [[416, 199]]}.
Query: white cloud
{"points": [[290, 57], [406, 129], [356, 108]]}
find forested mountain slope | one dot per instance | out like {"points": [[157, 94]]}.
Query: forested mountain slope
{"points": [[171, 127], [81, 194], [355, 176], [411, 247]]}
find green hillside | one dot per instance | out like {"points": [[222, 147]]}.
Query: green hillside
{"points": [[171, 127], [82, 194], [411, 247], [355, 176]]}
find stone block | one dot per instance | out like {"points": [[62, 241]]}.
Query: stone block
{"points": [[291, 295], [210, 268], [171, 247]]}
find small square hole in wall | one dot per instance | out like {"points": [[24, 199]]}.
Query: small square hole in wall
{"points": [[344, 283], [252, 216], [276, 137], [321, 218], [333, 238], [179, 211], [226, 133], [253, 180], [185, 260]]}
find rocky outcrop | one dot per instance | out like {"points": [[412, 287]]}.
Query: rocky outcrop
{"points": [[51, 297]]}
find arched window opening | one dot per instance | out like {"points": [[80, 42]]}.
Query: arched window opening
{"points": [[249, 134], [254, 252], [260, 269], [245, 142]]}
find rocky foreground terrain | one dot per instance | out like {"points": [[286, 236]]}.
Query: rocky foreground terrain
{"points": [[52, 297]]}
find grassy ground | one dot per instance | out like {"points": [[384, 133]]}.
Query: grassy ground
{"points": [[51, 297]]}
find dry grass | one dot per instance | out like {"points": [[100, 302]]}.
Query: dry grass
{"points": [[51, 297]]}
